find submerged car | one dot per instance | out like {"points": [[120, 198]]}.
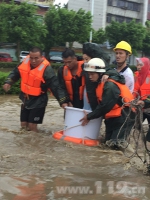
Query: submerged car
{"points": [[5, 57], [23, 54]]}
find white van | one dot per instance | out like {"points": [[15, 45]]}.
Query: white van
{"points": [[23, 54]]}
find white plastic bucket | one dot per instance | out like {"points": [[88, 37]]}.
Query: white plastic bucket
{"points": [[73, 127]]}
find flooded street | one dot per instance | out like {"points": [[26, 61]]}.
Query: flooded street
{"points": [[34, 166]]}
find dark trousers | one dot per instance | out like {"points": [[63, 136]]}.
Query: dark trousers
{"points": [[119, 127]]}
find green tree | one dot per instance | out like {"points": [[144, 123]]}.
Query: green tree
{"points": [[24, 27], [66, 26], [3, 23], [132, 32], [146, 41], [99, 36]]}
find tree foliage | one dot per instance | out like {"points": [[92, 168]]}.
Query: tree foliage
{"points": [[3, 22], [23, 27], [99, 36], [67, 26], [146, 41], [132, 32]]}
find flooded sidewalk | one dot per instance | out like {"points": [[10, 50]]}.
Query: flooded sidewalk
{"points": [[34, 166]]}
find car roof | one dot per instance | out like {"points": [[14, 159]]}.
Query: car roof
{"points": [[24, 51]]}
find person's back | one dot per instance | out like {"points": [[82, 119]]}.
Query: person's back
{"points": [[70, 78]]}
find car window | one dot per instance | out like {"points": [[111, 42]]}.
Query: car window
{"points": [[4, 55], [24, 54]]}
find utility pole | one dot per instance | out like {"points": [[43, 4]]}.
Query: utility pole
{"points": [[92, 13]]}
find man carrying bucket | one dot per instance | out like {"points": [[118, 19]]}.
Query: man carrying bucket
{"points": [[70, 78], [111, 96]]}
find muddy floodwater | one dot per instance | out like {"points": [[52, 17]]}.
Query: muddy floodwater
{"points": [[34, 166]]}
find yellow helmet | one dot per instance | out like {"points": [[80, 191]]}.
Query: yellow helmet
{"points": [[124, 46]]}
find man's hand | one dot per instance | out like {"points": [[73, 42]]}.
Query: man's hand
{"points": [[141, 103], [64, 105], [6, 87], [84, 120], [104, 78], [70, 104]]}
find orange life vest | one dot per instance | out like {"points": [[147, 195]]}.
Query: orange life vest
{"points": [[31, 79], [124, 93], [67, 76], [144, 89]]}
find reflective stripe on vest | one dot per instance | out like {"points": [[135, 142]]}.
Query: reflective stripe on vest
{"points": [[124, 93], [67, 76], [31, 79]]}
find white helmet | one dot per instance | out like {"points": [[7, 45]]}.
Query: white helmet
{"points": [[95, 65]]}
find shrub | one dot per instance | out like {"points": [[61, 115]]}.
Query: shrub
{"points": [[15, 89], [8, 64]]}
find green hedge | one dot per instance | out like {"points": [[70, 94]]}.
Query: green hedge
{"points": [[15, 89], [54, 65], [8, 64], [14, 64]]}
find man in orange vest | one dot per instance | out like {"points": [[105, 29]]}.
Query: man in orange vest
{"points": [[111, 96], [37, 76], [71, 79]]}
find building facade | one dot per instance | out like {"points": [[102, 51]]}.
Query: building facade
{"points": [[42, 5], [148, 11], [104, 11]]}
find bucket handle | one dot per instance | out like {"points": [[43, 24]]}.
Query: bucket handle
{"points": [[65, 128]]}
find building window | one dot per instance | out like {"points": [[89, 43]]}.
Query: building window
{"points": [[110, 2], [109, 18], [148, 7], [136, 7], [128, 20], [130, 6], [120, 19], [121, 4]]}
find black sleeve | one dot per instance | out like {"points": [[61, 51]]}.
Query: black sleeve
{"points": [[110, 97], [13, 77], [147, 102], [52, 83]]}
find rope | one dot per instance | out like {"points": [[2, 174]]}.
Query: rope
{"points": [[138, 134]]}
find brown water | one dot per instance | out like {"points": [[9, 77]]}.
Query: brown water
{"points": [[34, 166]]}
